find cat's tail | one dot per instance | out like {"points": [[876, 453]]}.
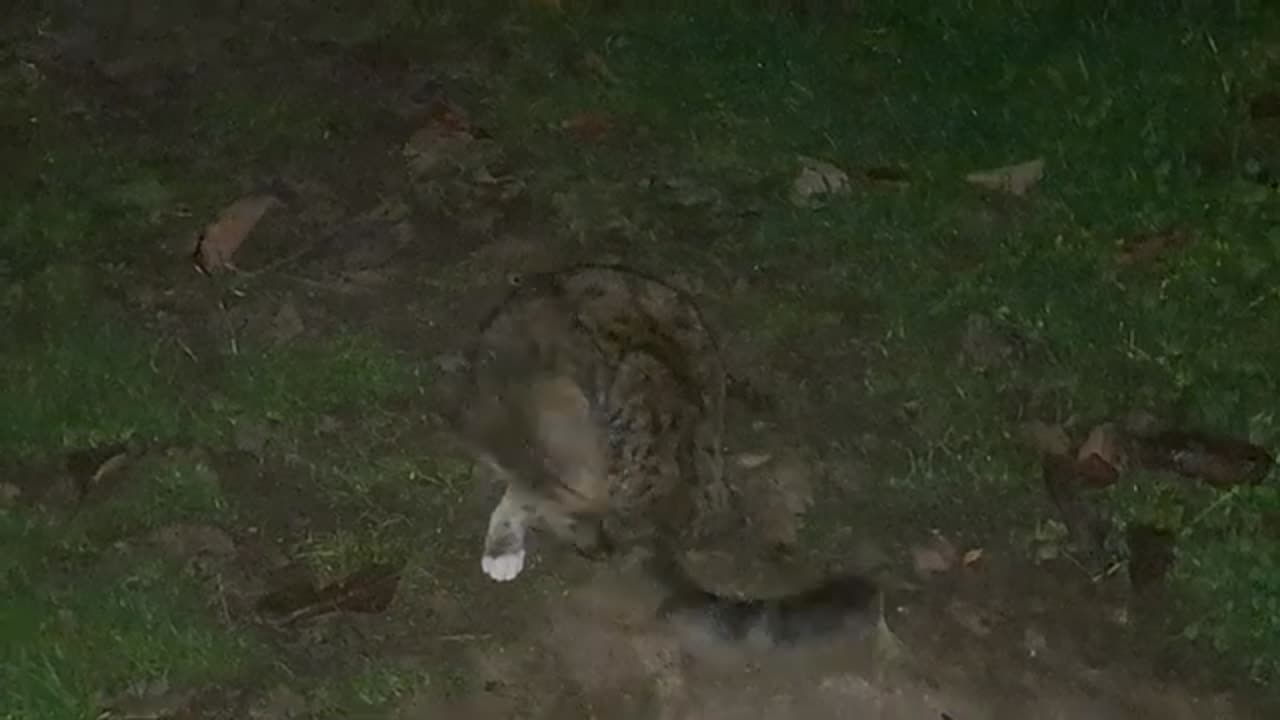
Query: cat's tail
{"points": [[826, 610]]}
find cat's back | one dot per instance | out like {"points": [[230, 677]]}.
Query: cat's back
{"points": [[585, 320], [646, 362]]}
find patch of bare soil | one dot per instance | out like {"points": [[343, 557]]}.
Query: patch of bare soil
{"points": [[594, 652]]}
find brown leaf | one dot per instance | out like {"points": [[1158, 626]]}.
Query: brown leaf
{"points": [[1095, 473], [224, 236], [971, 556], [1105, 443], [445, 140], [887, 176], [1048, 439], [89, 467], [1013, 179], [590, 125], [446, 115], [1148, 247], [1219, 461], [368, 590]]}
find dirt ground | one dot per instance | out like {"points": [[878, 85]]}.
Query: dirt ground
{"points": [[406, 230]]}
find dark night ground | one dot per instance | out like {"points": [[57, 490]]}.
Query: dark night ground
{"points": [[279, 420]]}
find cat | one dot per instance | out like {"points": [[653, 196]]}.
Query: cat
{"points": [[596, 394]]}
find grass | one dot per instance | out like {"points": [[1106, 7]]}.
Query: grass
{"points": [[88, 616], [68, 645], [1140, 111]]}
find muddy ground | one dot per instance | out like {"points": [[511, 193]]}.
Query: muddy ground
{"points": [[401, 213]]}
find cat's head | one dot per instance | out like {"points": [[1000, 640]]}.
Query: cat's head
{"points": [[541, 435]]}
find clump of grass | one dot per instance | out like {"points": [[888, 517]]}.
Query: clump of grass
{"points": [[371, 686], [70, 645], [85, 620], [336, 554], [296, 385], [75, 377]]}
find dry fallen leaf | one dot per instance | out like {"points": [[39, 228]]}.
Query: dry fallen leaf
{"points": [[446, 140], [1094, 472], [590, 125], [886, 175], [448, 116], [972, 556], [1149, 247], [224, 236], [89, 467], [1222, 462], [818, 178], [1105, 443], [1013, 179], [368, 590]]}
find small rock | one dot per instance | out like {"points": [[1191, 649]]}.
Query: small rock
{"points": [[818, 179], [936, 556], [1016, 179]]}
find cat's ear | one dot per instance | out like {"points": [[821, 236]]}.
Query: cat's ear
{"points": [[570, 439]]}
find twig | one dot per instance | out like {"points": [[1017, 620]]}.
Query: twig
{"points": [[464, 637]]}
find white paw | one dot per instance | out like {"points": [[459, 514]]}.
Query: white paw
{"points": [[503, 567]]}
